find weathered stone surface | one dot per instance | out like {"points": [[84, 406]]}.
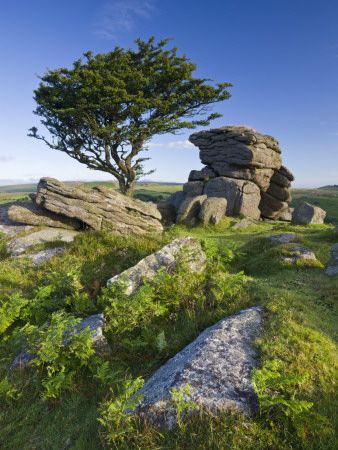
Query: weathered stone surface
{"points": [[189, 210], [7, 226], [42, 256], [305, 213], [168, 213], [95, 324], [279, 192], [193, 188], [271, 207], [177, 198], [212, 210], [166, 257], [216, 366], [100, 208], [282, 177], [18, 245], [238, 146], [242, 197], [286, 214], [332, 268], [202, 175], [299, 253], [30, 213], [283, 238], [244, 223]]}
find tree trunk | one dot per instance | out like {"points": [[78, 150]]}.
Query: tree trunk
{"points": [[127, 188]]}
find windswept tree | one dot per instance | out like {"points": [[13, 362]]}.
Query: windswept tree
{"points": [[105, 110]]}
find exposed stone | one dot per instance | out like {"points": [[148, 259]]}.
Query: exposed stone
{"points": [[286, 214], [7, 226], [95, 324], [193, 188], [305, 213], [42, 256], [242, 197], [244, 223], [281, 193], [212, 210], [216, 366], [332, 268], [189, 210], [19, 245], [168, 213], [202, 175], [299, 253], [283, 238], [271, 207], [177, 198], [282, 177], [30, 213], [148, 267], [99, 208]]}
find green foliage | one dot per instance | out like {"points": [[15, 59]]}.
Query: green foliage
{"points": [[102, 112], [117, 414], [59, 351], [181, 404], [8, 392]]}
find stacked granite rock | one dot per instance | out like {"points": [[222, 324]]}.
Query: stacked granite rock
{"points": [[242, 166]]}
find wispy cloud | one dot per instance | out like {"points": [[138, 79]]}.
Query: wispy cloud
{"points": [[5, 159], [120, 16], [174, 144]]}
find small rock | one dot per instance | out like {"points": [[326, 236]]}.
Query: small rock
{"points": [[332, 268], [305, 213], [42, 256], [166, 257], [300, 253], [283, 238], [18, 245], [244, 223]]}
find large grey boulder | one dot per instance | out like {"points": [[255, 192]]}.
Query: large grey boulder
{"points": [[271, 207], [7, 226], [216, 366], [332, 268], [242, 196], [305, 213], [189, 210], [148, 267], [286, 214], [30, 213], [99, 208], [212, 210], [95, 324]]}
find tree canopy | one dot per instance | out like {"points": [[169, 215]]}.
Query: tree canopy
{"points": [[105, 110]]}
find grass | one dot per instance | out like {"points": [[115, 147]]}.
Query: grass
{"points": [[13, 197], [299, 338]]}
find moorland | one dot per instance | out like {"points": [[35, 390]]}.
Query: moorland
{"points": [[72, 399]]}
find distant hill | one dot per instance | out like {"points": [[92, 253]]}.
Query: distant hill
{"points": [[335, 186]]}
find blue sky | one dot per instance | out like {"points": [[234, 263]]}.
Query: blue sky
{"points": [[280, 55]]}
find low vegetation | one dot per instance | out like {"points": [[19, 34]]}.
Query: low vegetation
{"points": [[74, 397]]}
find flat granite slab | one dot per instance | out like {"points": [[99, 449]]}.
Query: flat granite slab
{"points": [[216, 366]]}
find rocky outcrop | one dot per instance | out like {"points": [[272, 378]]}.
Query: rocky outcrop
{"points": [[167, 211], [305, 213], [95, 324], [332, 268], [31, 214], [216, 366], [167, 257], [244, 167], [99, 208]]}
